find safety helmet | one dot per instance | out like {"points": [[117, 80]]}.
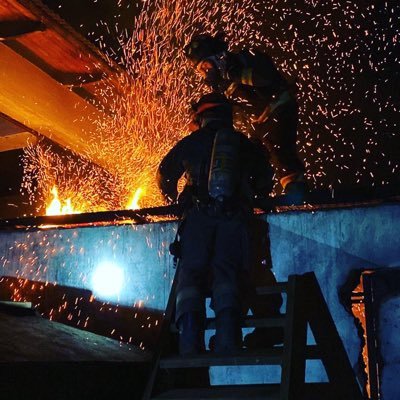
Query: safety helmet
{"points": [[204, 46], [211, 101], [211, 106]]}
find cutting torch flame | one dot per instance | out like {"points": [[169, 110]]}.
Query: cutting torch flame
{"points": [[56, 208], [134, 202]]}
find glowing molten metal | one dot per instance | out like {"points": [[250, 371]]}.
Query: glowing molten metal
{"points": [[134, 202], [55, 207]]}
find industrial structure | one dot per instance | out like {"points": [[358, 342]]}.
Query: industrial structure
{"points": [[110, 274]]}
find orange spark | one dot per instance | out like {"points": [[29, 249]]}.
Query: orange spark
{"points": [[150, 113]]}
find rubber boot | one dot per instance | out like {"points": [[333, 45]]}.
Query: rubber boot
{"points": [[228, 335], [191, 333]]}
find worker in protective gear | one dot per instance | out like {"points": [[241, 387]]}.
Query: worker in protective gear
{"points": [[224, 172], [266, 106]]}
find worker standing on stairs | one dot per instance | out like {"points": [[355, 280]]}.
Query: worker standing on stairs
{"points": [[224, 172], [265, 104]]}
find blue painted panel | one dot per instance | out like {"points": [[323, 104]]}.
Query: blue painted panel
{"points": [[330, 242]]}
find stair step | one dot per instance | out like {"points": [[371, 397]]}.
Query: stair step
{"points": [[313, 391], [249, 322], [271, 356], [305, 305], [231, 392], [254, 322]]}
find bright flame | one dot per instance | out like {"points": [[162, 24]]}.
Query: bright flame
{"points": [[133, 204], [56, 208]]}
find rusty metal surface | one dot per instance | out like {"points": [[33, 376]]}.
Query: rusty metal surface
{"points": [[54, 46]]}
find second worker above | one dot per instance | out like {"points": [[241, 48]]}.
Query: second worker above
{"points": [[265, 104]]}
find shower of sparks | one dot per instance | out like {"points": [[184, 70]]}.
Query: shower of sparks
{"points": [[343, 58], [152, 114], [87, 186]]}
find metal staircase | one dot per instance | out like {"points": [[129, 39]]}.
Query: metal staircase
{"points": [[305, 306]]}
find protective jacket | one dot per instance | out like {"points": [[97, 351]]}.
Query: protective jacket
{"points": [[191, 157], [265, 108], [255, 84]]}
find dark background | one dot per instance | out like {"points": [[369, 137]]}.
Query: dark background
{"points": [[345, 60]]}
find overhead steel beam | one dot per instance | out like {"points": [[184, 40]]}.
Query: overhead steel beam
{"points": [[37, 33], [34, 99], [17, 141]]}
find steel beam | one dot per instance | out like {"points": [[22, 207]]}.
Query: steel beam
{"points": [[34, 99]]}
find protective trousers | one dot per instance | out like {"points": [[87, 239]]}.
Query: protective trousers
{"points": [[279, 133], [214, 247]]}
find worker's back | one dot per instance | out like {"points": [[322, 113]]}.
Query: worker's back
{"points": [[192, 156]]}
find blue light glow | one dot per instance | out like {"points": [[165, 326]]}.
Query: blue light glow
{"points": [[107, 280]]}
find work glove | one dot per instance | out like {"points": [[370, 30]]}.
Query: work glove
{"points": [[219, 63]]}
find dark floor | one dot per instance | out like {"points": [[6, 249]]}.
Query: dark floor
{"points": [[41, 359]]}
